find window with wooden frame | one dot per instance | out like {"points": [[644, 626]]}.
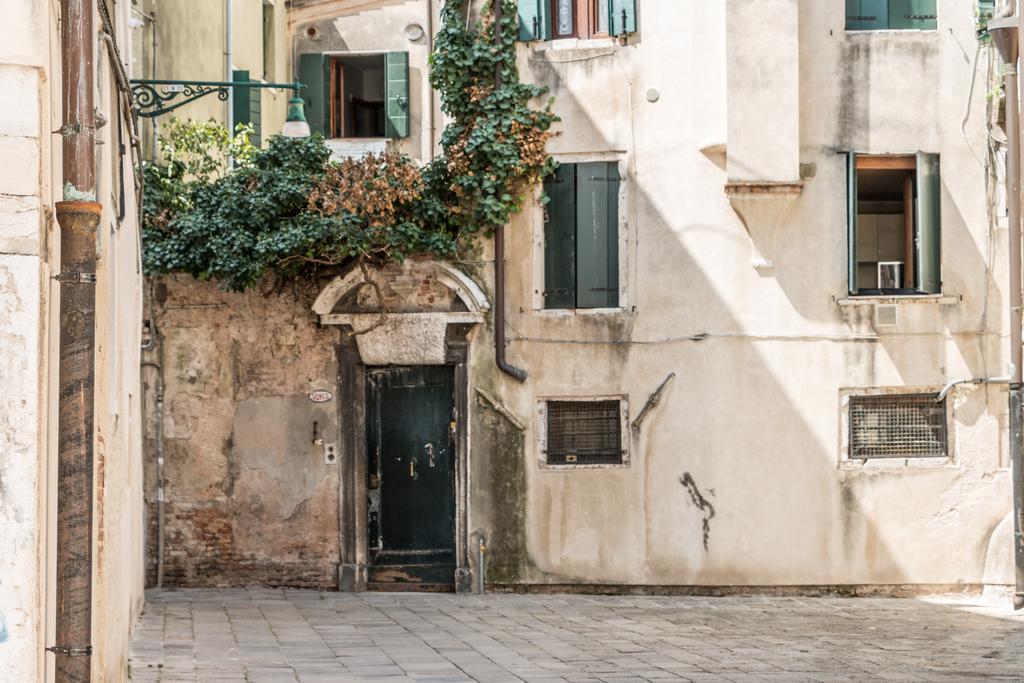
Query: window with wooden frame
{"points": [[356, 96], [893, 224], [557, 19], [896, 15], [581, 236]]}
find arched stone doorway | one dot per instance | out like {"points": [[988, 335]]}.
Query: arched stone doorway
{"points": [[403, 416]]}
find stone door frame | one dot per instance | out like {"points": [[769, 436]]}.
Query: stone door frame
{"points": [[458, 327]]}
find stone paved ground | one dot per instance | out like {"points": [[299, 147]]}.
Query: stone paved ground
{"points": [[275, 635]]}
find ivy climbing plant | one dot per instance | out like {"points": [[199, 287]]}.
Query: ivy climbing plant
{"points": [[290, 211]]}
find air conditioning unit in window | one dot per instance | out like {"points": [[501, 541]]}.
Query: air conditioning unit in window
{"points": [[890, 274]]}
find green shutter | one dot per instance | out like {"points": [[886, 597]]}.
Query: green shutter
{"points": [[560, 238], [314, 73], [396, 124], [597, 281], [851, 219], [912, 14], [245, 105], [867, 15], [534, 20], [927, 232], [621, 17]]}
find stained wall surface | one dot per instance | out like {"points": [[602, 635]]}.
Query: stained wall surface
{"points": [[738, 476], [30, 182], [249, 496]]}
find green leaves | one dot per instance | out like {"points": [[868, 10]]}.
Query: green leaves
{"points": [[288, 210]]}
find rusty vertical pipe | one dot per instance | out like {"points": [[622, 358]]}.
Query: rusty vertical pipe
{"points": [[499, 253], [78, 216]]}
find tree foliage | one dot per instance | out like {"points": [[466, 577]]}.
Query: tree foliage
{"points": [[290, 210]]}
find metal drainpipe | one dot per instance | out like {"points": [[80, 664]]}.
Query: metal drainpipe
{"points": [[229, 41], [159, 470], [499, 257], [1005, 35], [431, 133], [78, 216]]}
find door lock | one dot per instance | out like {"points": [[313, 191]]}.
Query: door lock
{"points": [[413, 474], [430, 454]]}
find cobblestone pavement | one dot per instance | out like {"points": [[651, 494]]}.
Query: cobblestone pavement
{"points": [[265, 635]]}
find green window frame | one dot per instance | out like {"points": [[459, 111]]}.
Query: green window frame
{"points": [[536, 20], [921, 266], [581, 236], [315, 72], [894, 15]]}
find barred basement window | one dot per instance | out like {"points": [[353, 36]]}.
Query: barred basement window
{"points": [[897, 426], [584, 433]]}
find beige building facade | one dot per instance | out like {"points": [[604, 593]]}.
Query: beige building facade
{"points": [[30, 184], [771, 355]]}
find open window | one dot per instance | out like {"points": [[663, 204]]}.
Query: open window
{"points": [[894, 233], [881, 15], [356, 96], [555, 19]]}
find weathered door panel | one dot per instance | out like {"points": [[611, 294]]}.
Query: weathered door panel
{"points": [[411, 516]]}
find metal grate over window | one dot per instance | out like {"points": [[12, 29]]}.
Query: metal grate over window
{"points": [[584, 433], [897, 426]]}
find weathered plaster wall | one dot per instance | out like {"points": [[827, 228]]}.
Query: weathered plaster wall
{"points": [[736, 477], [748, 437], [358, 27], [23, 269], [29, 337], [249, 496]]}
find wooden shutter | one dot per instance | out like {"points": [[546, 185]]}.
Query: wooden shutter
{"points": [[560, 238], [396, 124], [867, 15], [851, 220], [534, 20], [927, 232], [912, 14], [245, 105], [621, 17], [597, 280], [314, 73]]}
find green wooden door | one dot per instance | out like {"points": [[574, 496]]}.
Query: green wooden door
{"points": [[411, 475]]}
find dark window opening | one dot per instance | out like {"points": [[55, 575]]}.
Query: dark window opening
{"points": [[897, 426], [358, 91], [894, 225], [584, 433]]}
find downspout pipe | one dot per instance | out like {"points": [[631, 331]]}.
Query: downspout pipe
{"points": [[499, 257], [78, 216], [160, 511], [1006, 36], [229, 77]]}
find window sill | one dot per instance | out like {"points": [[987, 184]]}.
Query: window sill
{"points": [[545, 466], [883, 31], [569, 312], [898, 464], [872, 299]]}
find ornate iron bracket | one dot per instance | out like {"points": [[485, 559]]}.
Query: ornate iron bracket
{"points": [[154, 97]]}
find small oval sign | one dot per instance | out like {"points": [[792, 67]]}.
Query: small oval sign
{"points": [[320, 396]]}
